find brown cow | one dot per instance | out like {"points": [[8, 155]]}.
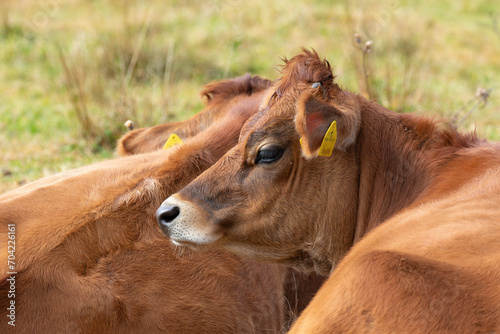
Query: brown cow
{"points": [[89, 256], [219, 96], [433, 263]]}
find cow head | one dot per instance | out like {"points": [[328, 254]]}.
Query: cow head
{"points": [[220, 98], [272, 197]]}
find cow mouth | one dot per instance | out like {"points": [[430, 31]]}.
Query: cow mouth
{"points": [[185, 243]]}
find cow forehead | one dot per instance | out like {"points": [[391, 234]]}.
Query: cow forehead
{"points": [[279, 102], [277, 115]]}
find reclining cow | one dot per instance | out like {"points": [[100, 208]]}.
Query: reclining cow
{"points": [[90, 258], [299, 287], [320, 171]]}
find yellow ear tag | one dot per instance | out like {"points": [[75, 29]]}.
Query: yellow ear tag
{"points": [[328, 143], [172, 141], [326, 148]]}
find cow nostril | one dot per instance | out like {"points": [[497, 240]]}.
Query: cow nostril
{"points": [[166, 214]]}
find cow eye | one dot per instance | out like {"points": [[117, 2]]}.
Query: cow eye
{"points": [[268, 154]]}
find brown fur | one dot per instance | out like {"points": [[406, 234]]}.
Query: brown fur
{"points": [[221, 96], [218, 94], [414, 201], [91, 259]]}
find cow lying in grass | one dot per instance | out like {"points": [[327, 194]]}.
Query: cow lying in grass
{"points": [[89, 257], [299, 287], [414, 202]]}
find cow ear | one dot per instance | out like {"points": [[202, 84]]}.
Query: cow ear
{"points": [[144, 140], [315, 117], [127, 144]]}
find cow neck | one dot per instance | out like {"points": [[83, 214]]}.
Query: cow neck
{"points": [[398, 157]]}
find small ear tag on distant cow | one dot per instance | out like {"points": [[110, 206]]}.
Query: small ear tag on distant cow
{"points": [[326, 148], [172, 141]]}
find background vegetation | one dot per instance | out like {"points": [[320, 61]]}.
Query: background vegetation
{"points": [[73, 71]]}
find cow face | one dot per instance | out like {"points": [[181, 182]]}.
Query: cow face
{"points": [[271, 197]]}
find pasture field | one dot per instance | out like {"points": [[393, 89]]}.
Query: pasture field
{"points": [[73, 71]]}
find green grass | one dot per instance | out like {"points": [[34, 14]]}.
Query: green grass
{"points": [[147, 61]]}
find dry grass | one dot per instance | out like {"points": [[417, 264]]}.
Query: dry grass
{"points": [[5, 13]]}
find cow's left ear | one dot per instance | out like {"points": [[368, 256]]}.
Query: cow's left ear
{"points": [[314, 119], [151, 139]]}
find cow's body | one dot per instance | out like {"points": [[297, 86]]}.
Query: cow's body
{"points": [[419, 202], [432, 268], [89, 257]]}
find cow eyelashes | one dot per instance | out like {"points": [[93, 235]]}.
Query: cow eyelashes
{"points": [[268, 154]]}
